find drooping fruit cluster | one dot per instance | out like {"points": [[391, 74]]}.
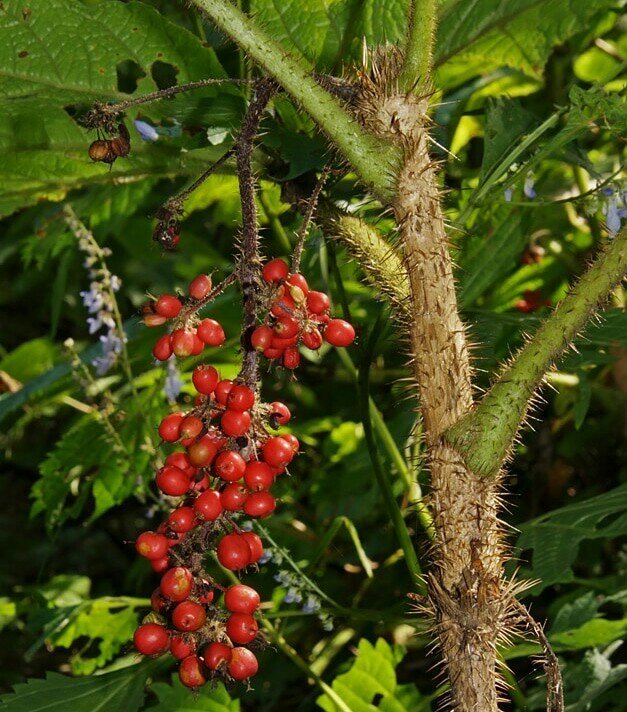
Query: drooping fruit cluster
{"points": [[226, 459], [295, 315], [189, 335]]}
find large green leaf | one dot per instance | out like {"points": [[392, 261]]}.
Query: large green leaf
{"points": [[373, 675], [120, 690], [554, 538], [177, 697], [42, 149]]}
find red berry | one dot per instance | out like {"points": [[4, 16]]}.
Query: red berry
{"points": [[205, 379], [277, 452], [162, 350], [182, 342], [222, 391], [215, 654], [275, 270], [202, 452], [234, 552], [182, 520], [255, 546], [201, 485], [154, 320], [293, 442], [162, 564], [199, 287], [282, 344], [339, 333], [258, 476], [240, 598], [204, 593], [151, 639], [297, 280], [188, 616], [191, 672], [191, 427], [208, 505], [286, 327], [259, 504], [168, 306], [158, 603], [179, 459], [243, 664], [241, 628], [199, 345], [240, 398], [172, 481], [211, 332], [261, 337], [272, 353], [230, 466], [151, 545], [176, 584], [235, 423], [291, 357], [318, 302], [312, 339], [181, 648], [233, 497], [280, 412], [170, 427]]}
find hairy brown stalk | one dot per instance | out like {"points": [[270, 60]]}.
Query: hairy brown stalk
{"points": [[250, 259], [312, 204]]}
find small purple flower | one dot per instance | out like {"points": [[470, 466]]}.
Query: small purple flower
{"points": [[528, 187], [608, 191], [612, 216], [507, 194], [145, 130], [173, 383], [265, 557]]}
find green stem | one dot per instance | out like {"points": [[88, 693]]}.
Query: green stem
{"points": [[376, 162], [416, 71], [332, 532], [394, 512], [484, 437]]}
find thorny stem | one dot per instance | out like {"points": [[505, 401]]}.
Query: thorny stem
{"points": [[175, 203], [312, 203], [250, 260]]}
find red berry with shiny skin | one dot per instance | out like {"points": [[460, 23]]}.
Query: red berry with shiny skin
{"points": [[199, 287], [199, 345], [233, 497], [216, 654], [272, 353], [277, 452], [286, 327], [181, 648], [182, 520], [255, 545], [261, 337], [176, 584], [297, 280], [172, 481], [312, 339], [240, 598], [162, 564], [179, 459], [202, 452], [191, 672], [275, 270], [211, 332], [151, 545], [151, 639], [280, 412], [243, 664], [168, 306], [241, 628], [182, 342], [318, 302], [259, 504], [154, 320], [230, 466], [258, 476], [170, 427], [240, 398], [162, 350], [189, 616], [208, 505], [291, 358], [222, 391], [339, 333], [205, 379], [191, 427], [235, 423], [293, 442], [234, 552]]}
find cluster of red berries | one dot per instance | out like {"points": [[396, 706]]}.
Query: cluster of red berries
{"points": [[295, 315], [189, 334], [226, 464]]}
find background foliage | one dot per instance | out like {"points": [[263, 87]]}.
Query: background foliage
{"points": [[530, 103]]}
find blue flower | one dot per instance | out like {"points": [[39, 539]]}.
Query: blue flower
{"points": [[528, 187], [507, 194], [145, 130], [173, 383]]}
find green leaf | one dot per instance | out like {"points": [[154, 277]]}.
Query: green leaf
{"points": [[177, 697], [554, 538], [372, 674], [588, 680], [120, 690], [30, 359], [506, 121]]}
